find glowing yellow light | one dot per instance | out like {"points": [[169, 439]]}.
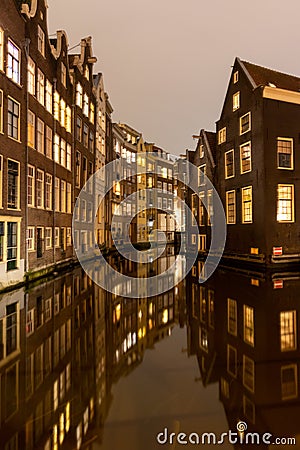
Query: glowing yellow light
{"points": [[165, 317], [61, 428], [67, 426]]}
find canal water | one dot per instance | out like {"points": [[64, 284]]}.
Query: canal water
{"points": [[83, 368]]}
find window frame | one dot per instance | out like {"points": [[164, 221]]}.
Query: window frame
{"points": [[279, 138], [227, 207], [222, 135], [292, 201], [13, 116], [17, 188], [16, 79], [244, 205], [226, 165], [236, 101], [245, 144], [240, 121]]}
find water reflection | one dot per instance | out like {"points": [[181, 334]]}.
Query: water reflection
{"points": [[65, 344]]}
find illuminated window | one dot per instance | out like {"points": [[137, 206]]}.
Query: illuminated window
{"points": [[69, 157], [229, 164], [48, 191], [201, 174], [78, 164], [13, 184], [210, 206], [48, 241], [13, 119], [40, 142], [63, 74], [30, 185], [85, 109], [245, 157], [285, 203], [230, 207], [92, 112], [235, 77], [85, 135], [63, 196], [56, 148], [235, 101], [13, 62], [1, 111], [249, 325], [40, 91], [201, 151], [222, 135], [57, 194], [62, 112], [1, 49], [63, 152], [79, 93], [48, 94], [232, 316], [30, 129], [289, 382], [56, 105], [48, 142], [201, 209], [30, 238], [288, 331], [245, 123], [285, 153], [247, 204], [69, 198], [41, 41], [231, 360], [248, 373], [68, 119], [31, 76], [56, 242]]}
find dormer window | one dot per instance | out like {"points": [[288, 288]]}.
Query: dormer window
{"points": [[236, 77], [222, 136], [235, 101], [201, 151], [87, 72], [41, 41]]}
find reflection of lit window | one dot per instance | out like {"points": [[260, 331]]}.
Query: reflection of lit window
{"points": [[249, 325], [68, 421], [285, 203], [289, 382], [165, 316], [224, 387], [61, 428], [203, 339], [231, 361], [232, 316], [55, 437], [249, 409], [288, 326], [79, 435], [248, 373]]}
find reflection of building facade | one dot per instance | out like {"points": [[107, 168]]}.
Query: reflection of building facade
{"points": [[244, 331]]}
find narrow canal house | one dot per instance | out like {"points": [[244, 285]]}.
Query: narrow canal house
{"points": [[12, 143], [258, 171]]}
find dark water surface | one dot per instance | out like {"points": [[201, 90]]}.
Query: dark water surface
{"points": [[82, 368]]}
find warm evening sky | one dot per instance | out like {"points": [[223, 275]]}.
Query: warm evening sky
{"points": [[166, 63]]}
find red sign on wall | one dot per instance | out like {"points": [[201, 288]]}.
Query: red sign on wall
{"points": [[277, 251]]}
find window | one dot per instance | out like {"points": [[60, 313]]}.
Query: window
{"points": [[56, 148], [40, 143], [285, 203], [63, 196], [288, 331], [31, 76], [235, 101], [248, 373], [48, 142], [91, 142], [30, 238], [249, 325], [232, 316], [289, 382], [78, 129], [48, 192], [85, 135], [78, 163], [30, 129], [13, 184], [69, 198], [230, 207], [210, 206], [39, 189], [69, 236], [1, 111], [245, 123], [229, 164], [56, 105], [62, 112], [68, 119], [30, 186], [41, 41], [62, 152], [56, 237], [13, 62], [245, 157], [231, 361], [1, 187], [49, 96], [247, 204], [92, 112], [201, 151], [85, 105], [57, 194], [12, 245], [69, 157], [1, 49], [41, 87], [222, 135], [201, 174], [79, 95], [63, 74], [236, 77], [13, 119], [285, 153]]}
